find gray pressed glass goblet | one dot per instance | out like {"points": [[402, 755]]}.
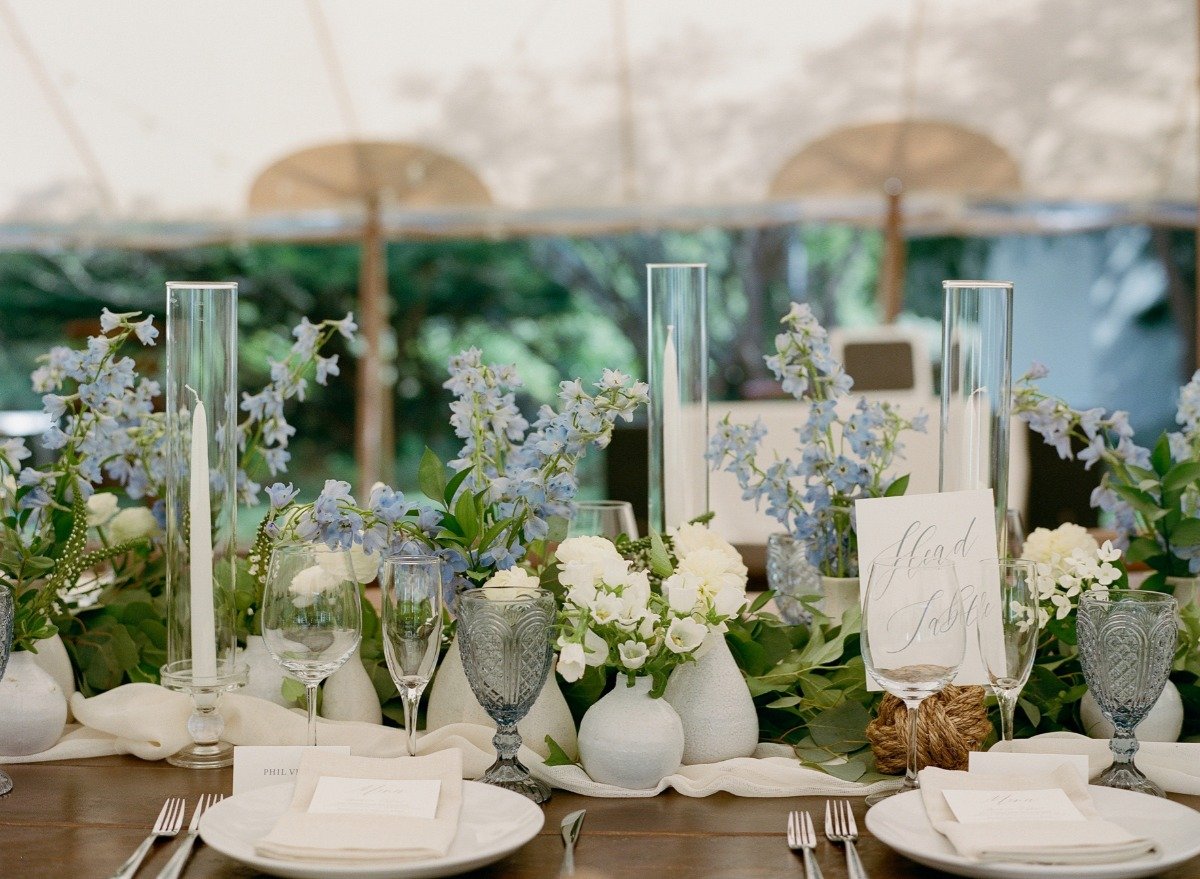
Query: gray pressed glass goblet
{"points": [[7, 612], [505, 636], [1127, 640]]}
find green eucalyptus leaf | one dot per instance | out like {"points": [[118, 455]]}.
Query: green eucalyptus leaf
{"points": [[558, 757], [898, 487]]}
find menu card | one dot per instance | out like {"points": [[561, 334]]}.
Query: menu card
{"points": [[956, 526]]}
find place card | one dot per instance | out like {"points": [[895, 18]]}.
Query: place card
{"points": [[417, 798], [1011, 763], [256, 766], [957, 526], [989, 806]]}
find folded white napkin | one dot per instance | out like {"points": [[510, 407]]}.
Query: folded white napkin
{"points": [[1093, 840], [301, 835]]}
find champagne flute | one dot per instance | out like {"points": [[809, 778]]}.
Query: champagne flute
{"points": [[913, 637], [311, 615], [608, 519], [7, 613], [412, 629], [1008, 631]]}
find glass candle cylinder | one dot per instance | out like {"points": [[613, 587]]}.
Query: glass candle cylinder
{"points": [[677, 356], [976, 391], [201, 507]]}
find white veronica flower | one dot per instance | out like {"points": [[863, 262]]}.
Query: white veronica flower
{"points": [[1052, 546], [684, 635], [633, 654], [311, 582], [571, 663], [689, 538]]}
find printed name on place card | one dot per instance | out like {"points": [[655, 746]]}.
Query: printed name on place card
{"points": [[982, 806], [372, 796]]}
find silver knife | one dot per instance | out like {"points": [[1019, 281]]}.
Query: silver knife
{"points": [[571, 825]]}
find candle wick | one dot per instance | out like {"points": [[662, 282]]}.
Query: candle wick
{"points": [[195, 395]]}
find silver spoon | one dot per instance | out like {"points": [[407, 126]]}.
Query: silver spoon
{"points": [[571, 825]]}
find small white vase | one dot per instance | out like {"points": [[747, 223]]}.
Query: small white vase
{"points": [[33, 709], [53, 659], [350, 695], [629, 740], [1163, 723], [264, 675], [713, 702], [840, 594], [452, 701]]}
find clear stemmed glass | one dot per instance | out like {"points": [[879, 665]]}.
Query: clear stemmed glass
{"points": [[1016, 532], [311, 615], [608, 519], [1008, 631], [7, 612], [506, 645], [412, 628], [913, 637], [1127, 640]]}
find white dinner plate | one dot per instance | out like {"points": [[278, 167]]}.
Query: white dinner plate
{"points": [[493, 823], [901, 823]]}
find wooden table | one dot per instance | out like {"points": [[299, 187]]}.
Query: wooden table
{"points": [[81, 819]]}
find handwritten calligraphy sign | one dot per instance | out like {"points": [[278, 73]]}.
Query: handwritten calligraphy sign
{"points": [[956, 526]]}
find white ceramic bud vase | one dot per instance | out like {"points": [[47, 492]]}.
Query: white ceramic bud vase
{"points": [[265, 676], [452, 701], [350, 695], [33, 710], [713, 702], [52, 658], [1163, 723], [630, 740]]}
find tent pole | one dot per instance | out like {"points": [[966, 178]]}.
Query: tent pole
{"points": [[890, 291], [1196, 281], [369, 411]]}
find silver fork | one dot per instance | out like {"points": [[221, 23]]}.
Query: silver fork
{"points": [[840, 826], [170, 819], [802, 837], [179, 859]]}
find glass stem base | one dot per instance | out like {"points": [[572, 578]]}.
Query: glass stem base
{"points": [[1123, 774], [210, 756], [6, 783], [510, 773]]}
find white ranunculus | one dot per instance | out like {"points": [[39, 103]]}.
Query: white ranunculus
{"points": [[713, 571], [571, 663], [101, 507], [132, 523], [364, 565], [1052, 546], [633, 654], [689, 538], [579, 574], [684, 635], [581, 596], [311, 582], [595, 649], [637, 588], [510, 585], [614, 572], [591, 550]]}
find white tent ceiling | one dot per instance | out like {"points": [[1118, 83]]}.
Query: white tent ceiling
{"points": [[149, 121]]}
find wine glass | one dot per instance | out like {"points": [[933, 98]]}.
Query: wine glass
{"points": [[608, 519], [311, 615], [412, 628], [1008, 631], [1127, 640], [913, 637], [1015, 529], [507, 646], [7, 612]]}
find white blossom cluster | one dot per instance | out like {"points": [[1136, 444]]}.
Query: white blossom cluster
{"points": [[1069, 562]]}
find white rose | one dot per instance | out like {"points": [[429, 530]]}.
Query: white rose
{"points": [[614, 572], [591, 550], [633, 654], [571, 662], [364, 565], [132, 523], [689, 538], [511, 584], [101, 507], [713, 571], [578, 574], [684, 635], [581, 596], [311, 582], [1052, 547]]}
